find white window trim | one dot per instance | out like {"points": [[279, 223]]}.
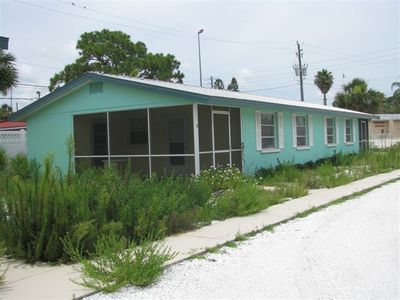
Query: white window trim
{"points": [[309, 132], [278, 132], [351, 131], [335, 131]]}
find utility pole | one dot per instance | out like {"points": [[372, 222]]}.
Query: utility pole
{"points": [[198, 43], [300, 70]]}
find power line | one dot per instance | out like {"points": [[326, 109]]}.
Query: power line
{"points": [[32, 85], [272, 88]]}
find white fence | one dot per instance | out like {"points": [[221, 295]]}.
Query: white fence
{"points": [[13, 142], [383, 141]]}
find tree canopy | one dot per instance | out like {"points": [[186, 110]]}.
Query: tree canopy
{"points": [[5, 111], [357, 96], [324, 81], [233, 86], [218, 84], [113, 52], [8, 72]]}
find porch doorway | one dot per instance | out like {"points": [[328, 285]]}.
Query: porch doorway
{"points": [[221, 135], [364, 141]]}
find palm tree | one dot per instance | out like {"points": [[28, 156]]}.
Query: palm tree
{"points": [[396, 87], [8, 72], [357, 96], [324, 80]]}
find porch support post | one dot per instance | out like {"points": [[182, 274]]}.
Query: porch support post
{"points": [[196, 139], [149, 139], [108, 139]]}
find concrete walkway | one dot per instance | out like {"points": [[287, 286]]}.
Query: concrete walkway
{"points": [[53, 282]]}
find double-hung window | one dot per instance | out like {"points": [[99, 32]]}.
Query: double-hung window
{"points": [[302, 131], [348, 131], [269, 131], [330, 131]]}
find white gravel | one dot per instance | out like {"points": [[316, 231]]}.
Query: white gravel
{"points": [[347, 251]]}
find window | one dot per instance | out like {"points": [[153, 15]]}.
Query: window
{"points": [[330, 132], [269, 131], [348, 129], [138, 131], [268, 136], [301, 131]]}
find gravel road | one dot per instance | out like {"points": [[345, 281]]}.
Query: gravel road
{"points": [[347, 251]]}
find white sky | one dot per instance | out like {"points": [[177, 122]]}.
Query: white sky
{"points": [[255, 41]]}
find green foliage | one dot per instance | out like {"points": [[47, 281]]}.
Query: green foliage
{"points": [[113, 52], [3, 159], [2, 269], [357, 96], [5, 111], [327, 173], [233, 86], [324, 81], [218, 84], [8, 72], [116, 262]]}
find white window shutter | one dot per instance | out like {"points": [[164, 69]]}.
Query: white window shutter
{"points": [[344, 131], [337, 131], [281, 131], [353, 124], [325, 131], [258, 130], [310, 131], [294, 130]]}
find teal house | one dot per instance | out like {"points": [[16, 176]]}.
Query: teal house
{"points": [[175, 128]]}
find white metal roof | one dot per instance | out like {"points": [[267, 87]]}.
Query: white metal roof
{"points": [[231, 95]]}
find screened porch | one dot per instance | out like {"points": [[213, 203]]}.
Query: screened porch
{"points": [[168, 140]]}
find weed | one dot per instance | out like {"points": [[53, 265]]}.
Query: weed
{"points": [[240, 237], [231, 244], [117, 262]]}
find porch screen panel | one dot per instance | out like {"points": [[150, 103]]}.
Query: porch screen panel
{"points": [[206, 161], [162, 166], [222, 159], [90, 138], [205, 133], [237, 159], [135, 165], [171, 130], [221, 132], [128, 132]]}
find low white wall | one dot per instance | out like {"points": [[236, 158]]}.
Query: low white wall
{"points": [[13, 141], [383, 142]]}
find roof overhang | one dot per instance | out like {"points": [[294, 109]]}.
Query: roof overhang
{"points": [[196, 94]]}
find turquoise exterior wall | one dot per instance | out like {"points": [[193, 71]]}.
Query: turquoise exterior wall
{"points": [[49, 129], [253, 159]]}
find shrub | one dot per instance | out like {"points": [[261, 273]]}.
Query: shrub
{"points": [[117, 262], [3, 159], [223, 178]]}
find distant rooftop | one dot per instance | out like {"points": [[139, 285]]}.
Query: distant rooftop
{"points": [[385, 117]]}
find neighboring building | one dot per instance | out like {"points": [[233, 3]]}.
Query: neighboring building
{"points": [[175, 128], [13, 137], [385, 131]]}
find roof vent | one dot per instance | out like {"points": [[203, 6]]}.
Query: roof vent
{"points": [[95, 87]]}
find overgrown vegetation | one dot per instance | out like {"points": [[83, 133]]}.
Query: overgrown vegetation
{"points": [[117, 262], [334, 171], [39, 207]]}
